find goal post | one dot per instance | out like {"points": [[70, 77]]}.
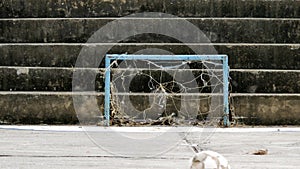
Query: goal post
{"points": [[221, 61]]}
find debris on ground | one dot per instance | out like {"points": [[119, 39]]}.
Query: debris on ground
{"points": [[261, 152]]}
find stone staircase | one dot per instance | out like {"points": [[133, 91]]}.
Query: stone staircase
{"points": [[40, 42]]}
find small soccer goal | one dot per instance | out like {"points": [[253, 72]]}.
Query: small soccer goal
{"points": [[166, 90]]}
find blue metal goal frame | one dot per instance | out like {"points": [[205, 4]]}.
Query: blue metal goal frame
{"points": [[223, 58]]}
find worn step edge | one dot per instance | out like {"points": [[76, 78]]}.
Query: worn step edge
{"points": [[90, 93], [154, 43], [103, 69], [151, 18]]}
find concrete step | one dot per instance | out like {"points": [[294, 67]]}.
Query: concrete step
{"points": [[265, 81], [218, 30], [268, 109], [57, 108], [41, 42], [37, 108], [60, 79], [241, 55], [194, 8]]}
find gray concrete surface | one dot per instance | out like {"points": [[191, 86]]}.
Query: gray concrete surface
{"points": [[218, 30], [100, 8], [55, 147], [15, 78], [64, 55]]}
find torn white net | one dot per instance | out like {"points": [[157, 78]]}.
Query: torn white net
{"points": [[176, 93]]}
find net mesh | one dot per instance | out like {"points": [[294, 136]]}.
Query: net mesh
{"points": [[172, 93]]}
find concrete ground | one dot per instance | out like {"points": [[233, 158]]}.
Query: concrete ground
{"points": [[66, 147]]}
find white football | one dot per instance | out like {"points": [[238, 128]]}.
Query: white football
{"points": [[209, 160]]}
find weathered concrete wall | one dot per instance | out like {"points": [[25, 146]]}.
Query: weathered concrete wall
{"points": [[261, 38], [55, 79], [259, 81], [192, 8], [57, 108], [268, 109], [37, 108], [241, 56], [216, 29]]}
